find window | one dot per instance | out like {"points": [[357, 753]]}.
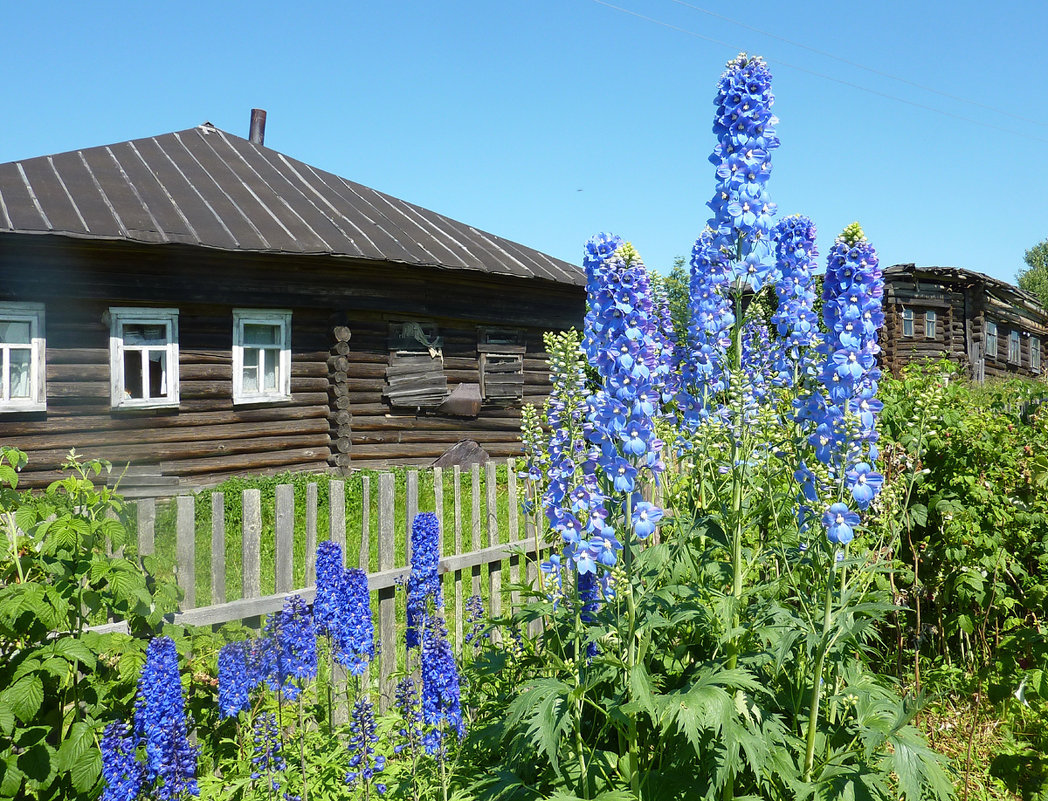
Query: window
{"points": [[143, 357], [22, 349], [929, 324], [415, 375], [261, 355], [907, 322], [501, 358], [991, 338], [1014, 354], [1035, 355]]}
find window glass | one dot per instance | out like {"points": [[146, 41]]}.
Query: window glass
{"points": [[261, 355], [256, 334], [144, 357], [21, 371], [991, 338], [907, 322], [15, 332], [929, 324], [22, 350]]}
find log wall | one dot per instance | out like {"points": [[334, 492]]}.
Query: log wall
{"points": [[341, 311]]}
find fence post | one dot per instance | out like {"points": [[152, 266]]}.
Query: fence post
{"points": [[251, 553], [457, 488], [218, 548], [364, 560], [337, 514], [474, 477], [386, 596], [285, 538], [514, 529], [494, 568], [146, 513], [185, 547], [410, 510], [310, 579]]}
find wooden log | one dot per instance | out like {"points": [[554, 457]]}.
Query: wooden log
{"points": [[218, 548], [185, 548], [251, 544], [386, 598], [249, 461]]}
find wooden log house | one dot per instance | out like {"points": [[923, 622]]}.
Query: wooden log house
{"points": [[198, 305], [991, 328]]}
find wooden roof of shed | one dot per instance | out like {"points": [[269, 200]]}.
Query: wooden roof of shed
{"points": [[206, 187], [1008, 292]]}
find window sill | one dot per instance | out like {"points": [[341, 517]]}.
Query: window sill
{"points": [[132, 406], [262, 400], [16, 407]]}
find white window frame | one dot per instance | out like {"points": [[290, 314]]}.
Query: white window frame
{"points": [[1015, 347], [120, 316], [1035, 355], [32, 313], [991, 338], [930, 318], [907, 322], [271, 317]]}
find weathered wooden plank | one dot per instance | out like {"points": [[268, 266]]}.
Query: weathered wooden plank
{"points": [[146, 513], [386, 597], [457, 491], [337, 514], [185, 548], [285, 538], [494, 568], [410, 509], [513, 525], [474, 475], [251, 543], [218, 548], [364, 560], [311, 534]]}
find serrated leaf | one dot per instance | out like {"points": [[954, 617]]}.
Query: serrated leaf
{"points": [[36, 763], [74, 650], [7, 717], [11, 781], [80, 739], [25, 696], [85, 771]]}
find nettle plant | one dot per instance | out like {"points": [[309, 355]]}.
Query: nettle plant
{"points": [[721, 649]]}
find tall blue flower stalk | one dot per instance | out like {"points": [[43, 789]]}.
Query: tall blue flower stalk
{"points": [[441, 693], [364, 762], [424, 588], [795, 320], [742, 211], [290, 653], [235, 679], [121, 769], [160, 720], [267, 761]]}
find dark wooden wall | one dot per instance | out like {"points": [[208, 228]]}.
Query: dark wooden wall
{"points": [[340, 316]]}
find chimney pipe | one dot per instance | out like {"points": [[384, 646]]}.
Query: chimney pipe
{"points": [[258, 126]]}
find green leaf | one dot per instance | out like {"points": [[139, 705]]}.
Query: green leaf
{"points": [[74, 650], [11, 778], [36, 763], [7, 717], [919, 514], [25, 696], [81, 738], [85, 770]]}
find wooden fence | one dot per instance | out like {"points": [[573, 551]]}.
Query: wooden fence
{"points": [[488, 545]]}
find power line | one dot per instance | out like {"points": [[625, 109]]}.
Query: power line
{"points": [[857, 65], [1024, 134]]}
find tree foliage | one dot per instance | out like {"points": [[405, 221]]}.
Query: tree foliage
{"points": [[1034, 279]]}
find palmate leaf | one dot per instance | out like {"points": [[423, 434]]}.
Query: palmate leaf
{"points": [[542, 708]]}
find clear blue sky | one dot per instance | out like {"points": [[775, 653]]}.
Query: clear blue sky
{"points": [[546, 121]]}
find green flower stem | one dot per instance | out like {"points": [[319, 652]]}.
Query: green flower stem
{"points": [[820, 661], [302, 745], [580, 747], [631, 652]]}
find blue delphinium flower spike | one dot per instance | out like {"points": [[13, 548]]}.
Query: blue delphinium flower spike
{"points": [[424, 581], [234, 679], [120, 766]]}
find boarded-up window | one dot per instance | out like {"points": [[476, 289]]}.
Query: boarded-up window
{"points": [[501, 356], [1014, 352], [415, 373], [991, 338], [1035, 355]]}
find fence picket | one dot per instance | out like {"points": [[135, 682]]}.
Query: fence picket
{"points": [[410, 509], [386, 596], [457, 489], [310, 578], [146, 513], [218, 548], [513, 524], [474, 476], [185, 549], [364, 560], [285, 538], [251, 542], [337, 514], [494, 568]]}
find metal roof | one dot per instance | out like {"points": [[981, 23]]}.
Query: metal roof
{"points": [[206, 187]]}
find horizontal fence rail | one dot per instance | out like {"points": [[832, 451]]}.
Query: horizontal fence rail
{"points": [[498, 534]]}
